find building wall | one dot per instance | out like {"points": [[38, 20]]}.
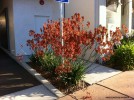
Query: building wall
{"points": [[9, 4], [24, 19], [84, 7], [101, 14], [93, 11], [127, 14], [113, 18]]}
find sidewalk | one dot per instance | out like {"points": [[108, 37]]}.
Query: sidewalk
{"points": [[35, 93], [13, 77], [118, 87], [16, 83]]}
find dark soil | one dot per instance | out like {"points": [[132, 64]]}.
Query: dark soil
{"points": [[56, 82]]}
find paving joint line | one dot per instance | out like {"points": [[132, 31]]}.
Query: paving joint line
{"points": [[114, 90]]}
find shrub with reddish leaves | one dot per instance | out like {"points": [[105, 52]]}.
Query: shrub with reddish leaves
{"points": [[76, 36]]}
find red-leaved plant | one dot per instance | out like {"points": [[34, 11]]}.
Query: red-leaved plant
{"points": [[77, 38]]}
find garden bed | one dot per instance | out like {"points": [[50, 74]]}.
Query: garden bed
{"points": [[57, 83]]}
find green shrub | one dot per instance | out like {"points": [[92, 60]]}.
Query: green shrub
{"points": [[48, 62], [35, 60], [123, 59], [127, 40]]}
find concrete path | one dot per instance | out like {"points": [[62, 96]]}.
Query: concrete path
{"points": [[35, 93], [13, 77], [96, 92], [123, 83], [97, 73], [118, 87]]}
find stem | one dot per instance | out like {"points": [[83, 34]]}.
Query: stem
{"points": [[84, 47], [84, 53], [91, 54], [91, 65]]}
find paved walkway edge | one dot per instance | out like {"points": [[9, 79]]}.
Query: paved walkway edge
{"points": [[45, 82]]}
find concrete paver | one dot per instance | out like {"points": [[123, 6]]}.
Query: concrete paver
{"points": [[35, 93], [97, 93], [123, 83], [97, 73]]}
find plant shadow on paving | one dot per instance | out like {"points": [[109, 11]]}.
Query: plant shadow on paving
{"points": [[13, 77]]}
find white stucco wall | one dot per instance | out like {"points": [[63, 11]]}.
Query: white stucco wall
{"points": [[127, 14], [100, 12], [9, 4], [84, 7], [93, 11], [24, 19], [114, 18]]}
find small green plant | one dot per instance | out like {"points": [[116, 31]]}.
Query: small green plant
{"points": [[49, 61], [123, 59], [127, 40], [75, 75], [35, 59]]}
